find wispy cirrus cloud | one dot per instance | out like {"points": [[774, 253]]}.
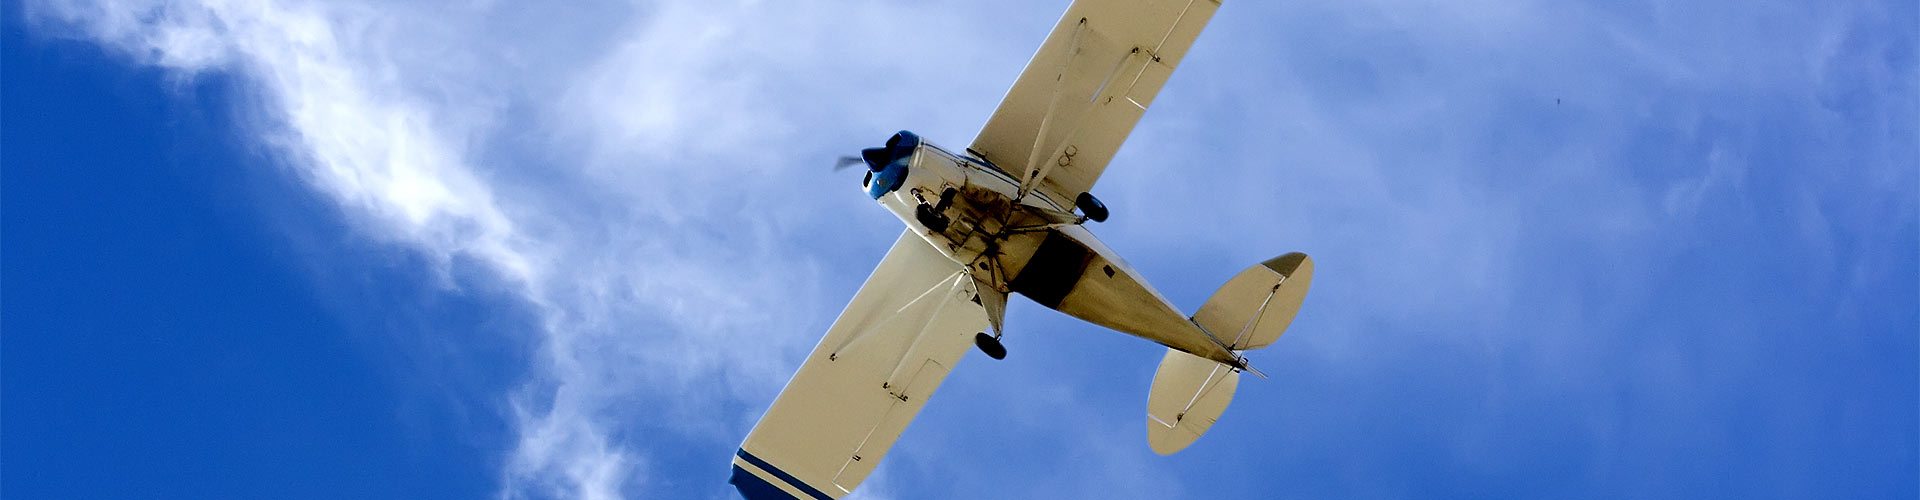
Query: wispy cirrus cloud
{"points": [[634, 173]]}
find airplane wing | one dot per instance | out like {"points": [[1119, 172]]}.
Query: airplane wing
{"points": [[1083, 91], [878, 364]]}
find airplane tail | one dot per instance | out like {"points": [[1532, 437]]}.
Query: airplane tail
{"points": [[1249, 312]]}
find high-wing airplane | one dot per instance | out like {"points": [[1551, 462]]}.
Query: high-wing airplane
{"points": [[1006, 215]]}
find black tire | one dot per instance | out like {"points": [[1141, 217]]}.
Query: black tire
{"points": [[990, 345]]}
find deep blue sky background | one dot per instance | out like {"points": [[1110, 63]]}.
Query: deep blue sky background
{"points": [[289, 250], [165, 340]]}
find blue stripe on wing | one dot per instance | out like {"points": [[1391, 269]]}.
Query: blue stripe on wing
{"points": [[752, 487]]}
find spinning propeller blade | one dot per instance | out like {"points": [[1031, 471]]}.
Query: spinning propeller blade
{"points": [[847, 161], [899, 146]]}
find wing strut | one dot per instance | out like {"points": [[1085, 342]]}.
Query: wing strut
{"points": [[1035, 170], [1062, 154], [905, 312]]}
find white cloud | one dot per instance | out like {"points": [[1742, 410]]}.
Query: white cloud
{"points": [[628, 170]]}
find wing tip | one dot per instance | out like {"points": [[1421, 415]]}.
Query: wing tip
{"points": [[757, 479]]}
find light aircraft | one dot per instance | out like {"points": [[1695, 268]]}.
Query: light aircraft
{"points": [[1006, 215]]}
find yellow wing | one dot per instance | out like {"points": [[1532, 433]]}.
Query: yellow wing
{"points": [[1082, 93], [877, 366]]}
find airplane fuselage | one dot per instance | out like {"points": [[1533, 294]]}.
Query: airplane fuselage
{"points": [[1035, 245]]}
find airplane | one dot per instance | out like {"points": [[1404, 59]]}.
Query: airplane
{"points": [[1007, 215]]}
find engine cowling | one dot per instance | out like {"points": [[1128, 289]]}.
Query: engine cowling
{"points": [[887, 165]]}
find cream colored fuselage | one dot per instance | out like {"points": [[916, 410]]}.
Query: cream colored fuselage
{"points": [[1036, 246]]}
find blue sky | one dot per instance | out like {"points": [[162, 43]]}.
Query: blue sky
{"points": [[406, 250]]}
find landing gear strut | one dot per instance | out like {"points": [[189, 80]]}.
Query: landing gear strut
{"points": [[934, 216], [990, 345]]}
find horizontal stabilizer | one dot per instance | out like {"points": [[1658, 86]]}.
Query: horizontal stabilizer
{"points": [[1257, 305], [1189, 393]]}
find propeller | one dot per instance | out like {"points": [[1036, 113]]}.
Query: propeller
{"points": [[886, 165], [875, 158], [847, 161], [898, 146]]}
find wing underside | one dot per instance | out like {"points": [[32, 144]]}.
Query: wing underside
{"points": [[877, 366], [1086, 87]]}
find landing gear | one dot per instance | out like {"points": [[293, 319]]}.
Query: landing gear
{"points": [[935, 216], [990, 345], [1092, 207], [931, 218]]}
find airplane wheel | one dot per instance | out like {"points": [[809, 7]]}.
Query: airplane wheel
{"points": [[932, 218], [990, 345]]}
